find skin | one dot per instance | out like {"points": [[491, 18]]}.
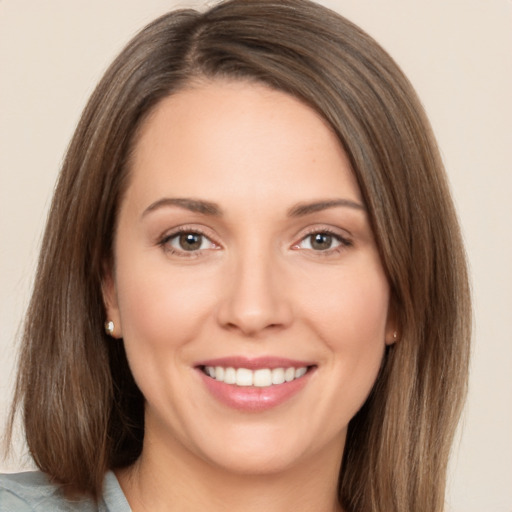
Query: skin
{"points": [[258, 286]]}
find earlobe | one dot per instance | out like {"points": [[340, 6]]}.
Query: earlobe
{"points": [[392, 331], [112, 318], [392, 336]]}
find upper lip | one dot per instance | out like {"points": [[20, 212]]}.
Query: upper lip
{"points": [[254, 363]]}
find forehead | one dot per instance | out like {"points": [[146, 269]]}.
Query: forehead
{"points": [[240, 138]]}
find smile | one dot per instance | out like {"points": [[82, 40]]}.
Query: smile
{"points": [[261, 378], [254, 384]]}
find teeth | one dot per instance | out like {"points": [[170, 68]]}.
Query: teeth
{"points": [[230, 376], [219, 373], [261, 378], [289, 374], [299, 372], [278, 376], [244, 377]]}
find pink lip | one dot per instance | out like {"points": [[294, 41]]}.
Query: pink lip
{"points": [[251, 398]]}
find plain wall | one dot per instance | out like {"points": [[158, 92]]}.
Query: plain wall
{"points": [[458, 56]]}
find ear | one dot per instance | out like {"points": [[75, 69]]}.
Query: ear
{"points": [[392, 334], [109, 292]]}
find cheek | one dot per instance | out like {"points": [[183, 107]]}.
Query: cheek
{"points": [[350, 307], [161, 311], [352, 326], [350, 317], [160, 307]]}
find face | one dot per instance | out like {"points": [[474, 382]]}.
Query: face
{"points": [[247, 286]]}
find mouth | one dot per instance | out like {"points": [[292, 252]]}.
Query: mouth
{"points": [[259, 378], [254, 384]]}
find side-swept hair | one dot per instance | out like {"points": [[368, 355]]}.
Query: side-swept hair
{"points": [[82, 411]]}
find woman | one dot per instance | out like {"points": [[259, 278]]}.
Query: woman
{"points": [[252, 289]]}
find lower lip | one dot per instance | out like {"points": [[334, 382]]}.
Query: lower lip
{"points": [[251, 398]]}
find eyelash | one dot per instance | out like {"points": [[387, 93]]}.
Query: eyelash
{"points": [[344, 243]]}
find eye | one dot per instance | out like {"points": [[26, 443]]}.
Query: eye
{"points": [[187, 242], [319, 241], [322, 241]]}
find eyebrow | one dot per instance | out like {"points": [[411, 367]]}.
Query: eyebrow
{"points": [[306, 208], [210, 208], [194, 205]]}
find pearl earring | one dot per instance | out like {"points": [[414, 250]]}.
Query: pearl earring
{"points": [[109, 327]]}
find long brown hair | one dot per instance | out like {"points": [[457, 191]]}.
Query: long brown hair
{"points": [[82, 411]]}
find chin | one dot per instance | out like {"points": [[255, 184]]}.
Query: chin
{"points": [[268, 451], [264, 463]]}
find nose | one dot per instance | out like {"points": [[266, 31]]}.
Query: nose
{"points": [[255, 298]]}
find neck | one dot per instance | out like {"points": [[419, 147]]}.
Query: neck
{"points": [[173, 476]]}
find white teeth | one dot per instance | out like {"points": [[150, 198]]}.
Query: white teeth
{"points": [[244, 377], [230, 376], [261, 378], [219, 373], [299, 372], [278, 376], [289, 374]]}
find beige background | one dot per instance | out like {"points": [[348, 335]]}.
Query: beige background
{"points": [[457, 54]]}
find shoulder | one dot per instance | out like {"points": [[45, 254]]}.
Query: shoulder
{"points": [[33, 492]]}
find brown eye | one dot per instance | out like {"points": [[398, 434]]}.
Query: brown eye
{"points": [[321, 241], [190, 241], [187, 242]]}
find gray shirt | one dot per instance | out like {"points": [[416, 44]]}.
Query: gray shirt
{"points": [[33, 492]]}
